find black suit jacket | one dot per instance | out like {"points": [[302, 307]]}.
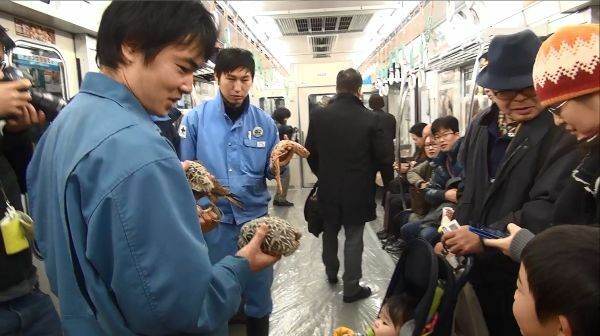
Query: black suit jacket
{"points": [[346, 143]]}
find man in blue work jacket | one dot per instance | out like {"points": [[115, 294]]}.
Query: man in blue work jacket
{"points": [[234, 140], [120, 264]]}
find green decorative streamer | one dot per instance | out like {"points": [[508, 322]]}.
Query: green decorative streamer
{"points": [[428, 28], [403, 49], [227, 38]]}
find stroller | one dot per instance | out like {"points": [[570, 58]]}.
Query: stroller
{"points": [[422, 274]]}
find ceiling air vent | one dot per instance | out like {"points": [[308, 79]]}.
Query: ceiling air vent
{"points": [[326, 24], [321, 45]]}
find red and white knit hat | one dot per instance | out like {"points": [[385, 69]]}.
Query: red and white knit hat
{"points": [[568, 64]]}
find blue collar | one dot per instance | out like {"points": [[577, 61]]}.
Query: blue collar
{"points": [[101, 85]]}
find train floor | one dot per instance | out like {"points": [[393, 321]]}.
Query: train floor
{"points": [[305, 304]]}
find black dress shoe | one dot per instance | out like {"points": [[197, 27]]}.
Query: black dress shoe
{"points": [[363, 293], [382, 234], [257, 326], [283, 203], [332, 280]]}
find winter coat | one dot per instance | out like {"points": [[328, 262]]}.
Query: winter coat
{"points": [[528, 181], [447, 167], [346, 145], [579, 201]]}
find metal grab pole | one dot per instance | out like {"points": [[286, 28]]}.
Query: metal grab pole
{"points": [[401, 113], [474, 85], [403, 77]]}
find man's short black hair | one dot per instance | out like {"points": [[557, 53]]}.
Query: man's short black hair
{"points": [[230, 59], [563, 271], [6, 41], [417, 129], [447, 122], [281, 113], [150, 26], [348, 80], [376, 102]]}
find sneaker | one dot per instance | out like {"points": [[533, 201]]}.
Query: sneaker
{"points": [[363, 293], [283, 203]]}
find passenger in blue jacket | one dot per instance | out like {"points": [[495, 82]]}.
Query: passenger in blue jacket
{"points": [[443, 187], [119, 264], [234, 140]]}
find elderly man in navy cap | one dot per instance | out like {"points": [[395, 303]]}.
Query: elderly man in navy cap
{"points": [[515, 161]]}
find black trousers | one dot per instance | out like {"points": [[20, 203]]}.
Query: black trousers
{"points": [[496, 303], [353, 249], [387, 175]]}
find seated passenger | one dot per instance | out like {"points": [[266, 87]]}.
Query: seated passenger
{"points": [[442, 190], [509, 176], [400, 187], [417, 135], [419, 178], [447, 137], [558, 288]]}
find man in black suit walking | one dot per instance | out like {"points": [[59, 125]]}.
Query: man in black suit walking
{"points": [[347, 145]]}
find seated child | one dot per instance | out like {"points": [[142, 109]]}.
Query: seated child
{"points": [[395, 319]]}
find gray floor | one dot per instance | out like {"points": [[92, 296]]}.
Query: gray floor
{"points": [[304, 303]]}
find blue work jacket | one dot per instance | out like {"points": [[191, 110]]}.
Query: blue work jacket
{"points": [[236, 153], [117, 224]]}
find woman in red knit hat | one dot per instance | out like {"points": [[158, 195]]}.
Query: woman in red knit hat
{"points": [[566, 76]]}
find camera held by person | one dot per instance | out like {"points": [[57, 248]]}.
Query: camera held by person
{"points": [[40, 99]]}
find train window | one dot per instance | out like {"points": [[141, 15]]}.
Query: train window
{"points": [[318, 100], [478, 99], [448, 93], [44, 65], [269, 104]]}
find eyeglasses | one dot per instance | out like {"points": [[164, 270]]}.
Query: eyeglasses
{"points": [[439, 136], [431, 146], [556, 109], [511, 94]]}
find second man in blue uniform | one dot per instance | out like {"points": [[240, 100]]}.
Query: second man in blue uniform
{"points": [[233, 139]]}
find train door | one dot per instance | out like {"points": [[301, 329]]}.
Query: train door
{"points": [[309, 99], [45, 65]]}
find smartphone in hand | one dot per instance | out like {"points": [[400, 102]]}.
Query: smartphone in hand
{"points": [[489, 233]]}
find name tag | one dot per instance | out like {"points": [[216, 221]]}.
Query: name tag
{"points": [[261, 144]]}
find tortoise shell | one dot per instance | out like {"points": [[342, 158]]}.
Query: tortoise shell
{"points": [[282, 239]]}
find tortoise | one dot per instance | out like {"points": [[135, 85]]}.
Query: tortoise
{"points": [[281, 156], [282, 239], [203, 184]]}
